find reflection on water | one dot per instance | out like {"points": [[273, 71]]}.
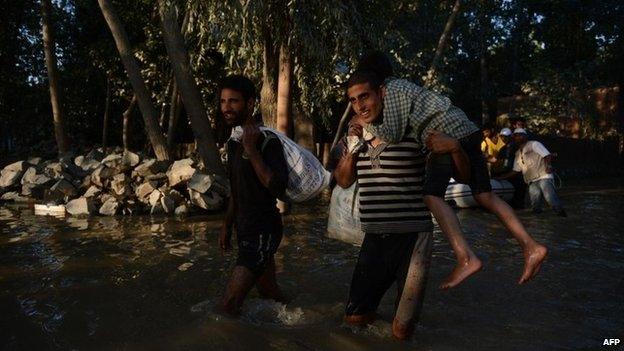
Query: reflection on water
{"points": [[151, 283]]}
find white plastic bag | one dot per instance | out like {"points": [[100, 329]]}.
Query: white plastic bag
{"points": [[306, 175], [343, 222]]}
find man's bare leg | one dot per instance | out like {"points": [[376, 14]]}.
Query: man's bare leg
{"points": [[241, 282], [267, 284], [467, 262], [534, 253]]}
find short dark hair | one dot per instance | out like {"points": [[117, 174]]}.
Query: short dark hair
{"points": [[240, 84], [362, 76], [376, 61]]}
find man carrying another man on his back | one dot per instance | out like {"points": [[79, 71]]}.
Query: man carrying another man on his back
{"points": [[397, 224]]}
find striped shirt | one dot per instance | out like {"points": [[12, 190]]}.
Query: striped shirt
{"points": [[390, 179], [407, 104]]}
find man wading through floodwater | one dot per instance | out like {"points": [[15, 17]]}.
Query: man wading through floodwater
{"points": [[258, 176], [396, 222]]}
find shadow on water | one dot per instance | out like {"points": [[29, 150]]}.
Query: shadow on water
{"points": [[139, 283]]}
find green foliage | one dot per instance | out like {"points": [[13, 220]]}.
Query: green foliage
{"points": [[553, 51]]}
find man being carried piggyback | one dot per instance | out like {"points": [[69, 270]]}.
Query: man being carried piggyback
{"points": [[411, 110]]}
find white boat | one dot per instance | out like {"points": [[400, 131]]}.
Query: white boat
{"points": [[461, 196], [343, 222]]}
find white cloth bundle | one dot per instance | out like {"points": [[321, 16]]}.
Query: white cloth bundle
{"points": [[306, 175]]}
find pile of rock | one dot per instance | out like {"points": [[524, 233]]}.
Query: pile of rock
{"points": [[118, 183]]}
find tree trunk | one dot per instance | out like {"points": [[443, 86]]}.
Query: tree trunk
{"points": [[50, 60], [148, 111], [163, 107], [106, 115], [341, 124], [174, 113], [268, 99], [485, 93], [284, 93], [126, 121], [442, 43], [189, 91]]}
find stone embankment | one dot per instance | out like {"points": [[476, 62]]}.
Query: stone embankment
{"points": [[120, 183]]}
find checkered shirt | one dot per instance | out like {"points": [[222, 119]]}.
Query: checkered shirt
{"points": [[407, 104]]}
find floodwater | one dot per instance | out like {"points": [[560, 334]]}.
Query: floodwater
{"points": [[141, 283]]}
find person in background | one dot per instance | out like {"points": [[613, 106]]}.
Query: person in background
{"points": [[504, 165], [533, 160], [491, 146]]}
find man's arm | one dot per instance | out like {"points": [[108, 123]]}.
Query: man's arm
{"points": [[440, 143], [226, 229], [345, 172], [271, 168]]}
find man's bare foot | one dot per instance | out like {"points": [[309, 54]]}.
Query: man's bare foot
{"points": [[463, 269], [401, 331], [533, 259]]}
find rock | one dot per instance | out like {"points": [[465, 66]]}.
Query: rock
{"points": [[181, 210], [80, 206], [86, 183], [64, 187], [130, 159], [54, 170], [93, 191], [112, 161], [157, 177], [149, 167], [27, 189], [13, 196], [181, 172], [144, 191], [105, 197], [184, 266], [29, 175], [144, 169], [200, 182], [110, 207], [208, 201], [101, 176], [154, 197], [121, 185], [35, 161], [86, 164], [9, 178], [167, 203], [19, 166], [79, 160]]}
